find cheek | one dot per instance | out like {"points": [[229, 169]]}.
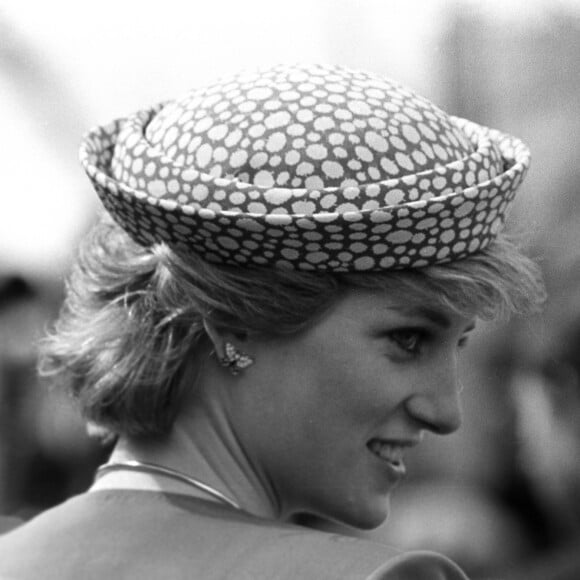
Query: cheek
{"points": [[355, 368], [317, 393], [349, 390]]}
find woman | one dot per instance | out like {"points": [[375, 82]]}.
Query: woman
{"points": [[271, 322]]}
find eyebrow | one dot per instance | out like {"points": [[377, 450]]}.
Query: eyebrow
{"points": [[434, 315]]}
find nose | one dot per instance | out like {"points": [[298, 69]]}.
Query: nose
{"points": [[437, 406]]}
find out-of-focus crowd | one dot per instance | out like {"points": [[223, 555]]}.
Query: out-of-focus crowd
{"points": [[45, 453]]}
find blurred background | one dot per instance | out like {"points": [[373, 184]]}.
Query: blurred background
{"points": [[502, 497]]}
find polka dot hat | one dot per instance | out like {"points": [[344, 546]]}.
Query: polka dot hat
{"points": [[306, 167]]}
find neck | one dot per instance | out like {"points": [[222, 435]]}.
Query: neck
{"points": [[200, 445]]}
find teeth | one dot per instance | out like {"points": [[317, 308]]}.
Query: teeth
{"points": [[387, 451]]}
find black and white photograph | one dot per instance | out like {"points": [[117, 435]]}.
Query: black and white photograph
{"points": [[290, 290]]}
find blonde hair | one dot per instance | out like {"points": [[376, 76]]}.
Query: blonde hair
{"points": [[134, 315]]}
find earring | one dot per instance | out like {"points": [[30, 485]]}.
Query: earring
{"points": [[235, 360]]}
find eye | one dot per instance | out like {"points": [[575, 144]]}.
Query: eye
{"points": [[462, 342], [410, 340]]}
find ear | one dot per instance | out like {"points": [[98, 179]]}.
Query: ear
{"points": [[219, 336], [216, 338], [225, 350]]}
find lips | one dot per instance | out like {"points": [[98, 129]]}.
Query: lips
{"points": [[391, 453]]}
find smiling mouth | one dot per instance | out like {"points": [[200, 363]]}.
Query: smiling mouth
{"points": [[389, 452]]}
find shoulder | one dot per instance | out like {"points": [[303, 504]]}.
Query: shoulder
{"points": [[302, 553], [60, 536], [418, 566], [307, 554], [142, 534]]}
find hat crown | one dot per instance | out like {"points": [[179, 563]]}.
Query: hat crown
{"points": [[306, 127], [307, 167]]}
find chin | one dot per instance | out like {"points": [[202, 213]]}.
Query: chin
{"points": [[343, 524], [368, 516]]}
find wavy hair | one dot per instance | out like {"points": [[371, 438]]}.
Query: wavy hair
{"points": [[133, 316]]}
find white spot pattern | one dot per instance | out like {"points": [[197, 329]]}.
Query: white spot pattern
{"points": [[283, 168]]}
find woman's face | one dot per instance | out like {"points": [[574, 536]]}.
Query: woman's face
{"points": [[327, 416]]}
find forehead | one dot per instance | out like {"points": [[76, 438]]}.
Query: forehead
{"points": [[455, 291], [371, 306]]}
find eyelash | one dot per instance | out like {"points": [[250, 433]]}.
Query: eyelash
{"points": [[419, 337], [401, 336]]}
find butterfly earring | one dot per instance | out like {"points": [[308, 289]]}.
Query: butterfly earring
{"points": [[235, 360]]}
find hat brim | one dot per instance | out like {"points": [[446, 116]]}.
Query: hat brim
{"points": [[441, 225]]}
